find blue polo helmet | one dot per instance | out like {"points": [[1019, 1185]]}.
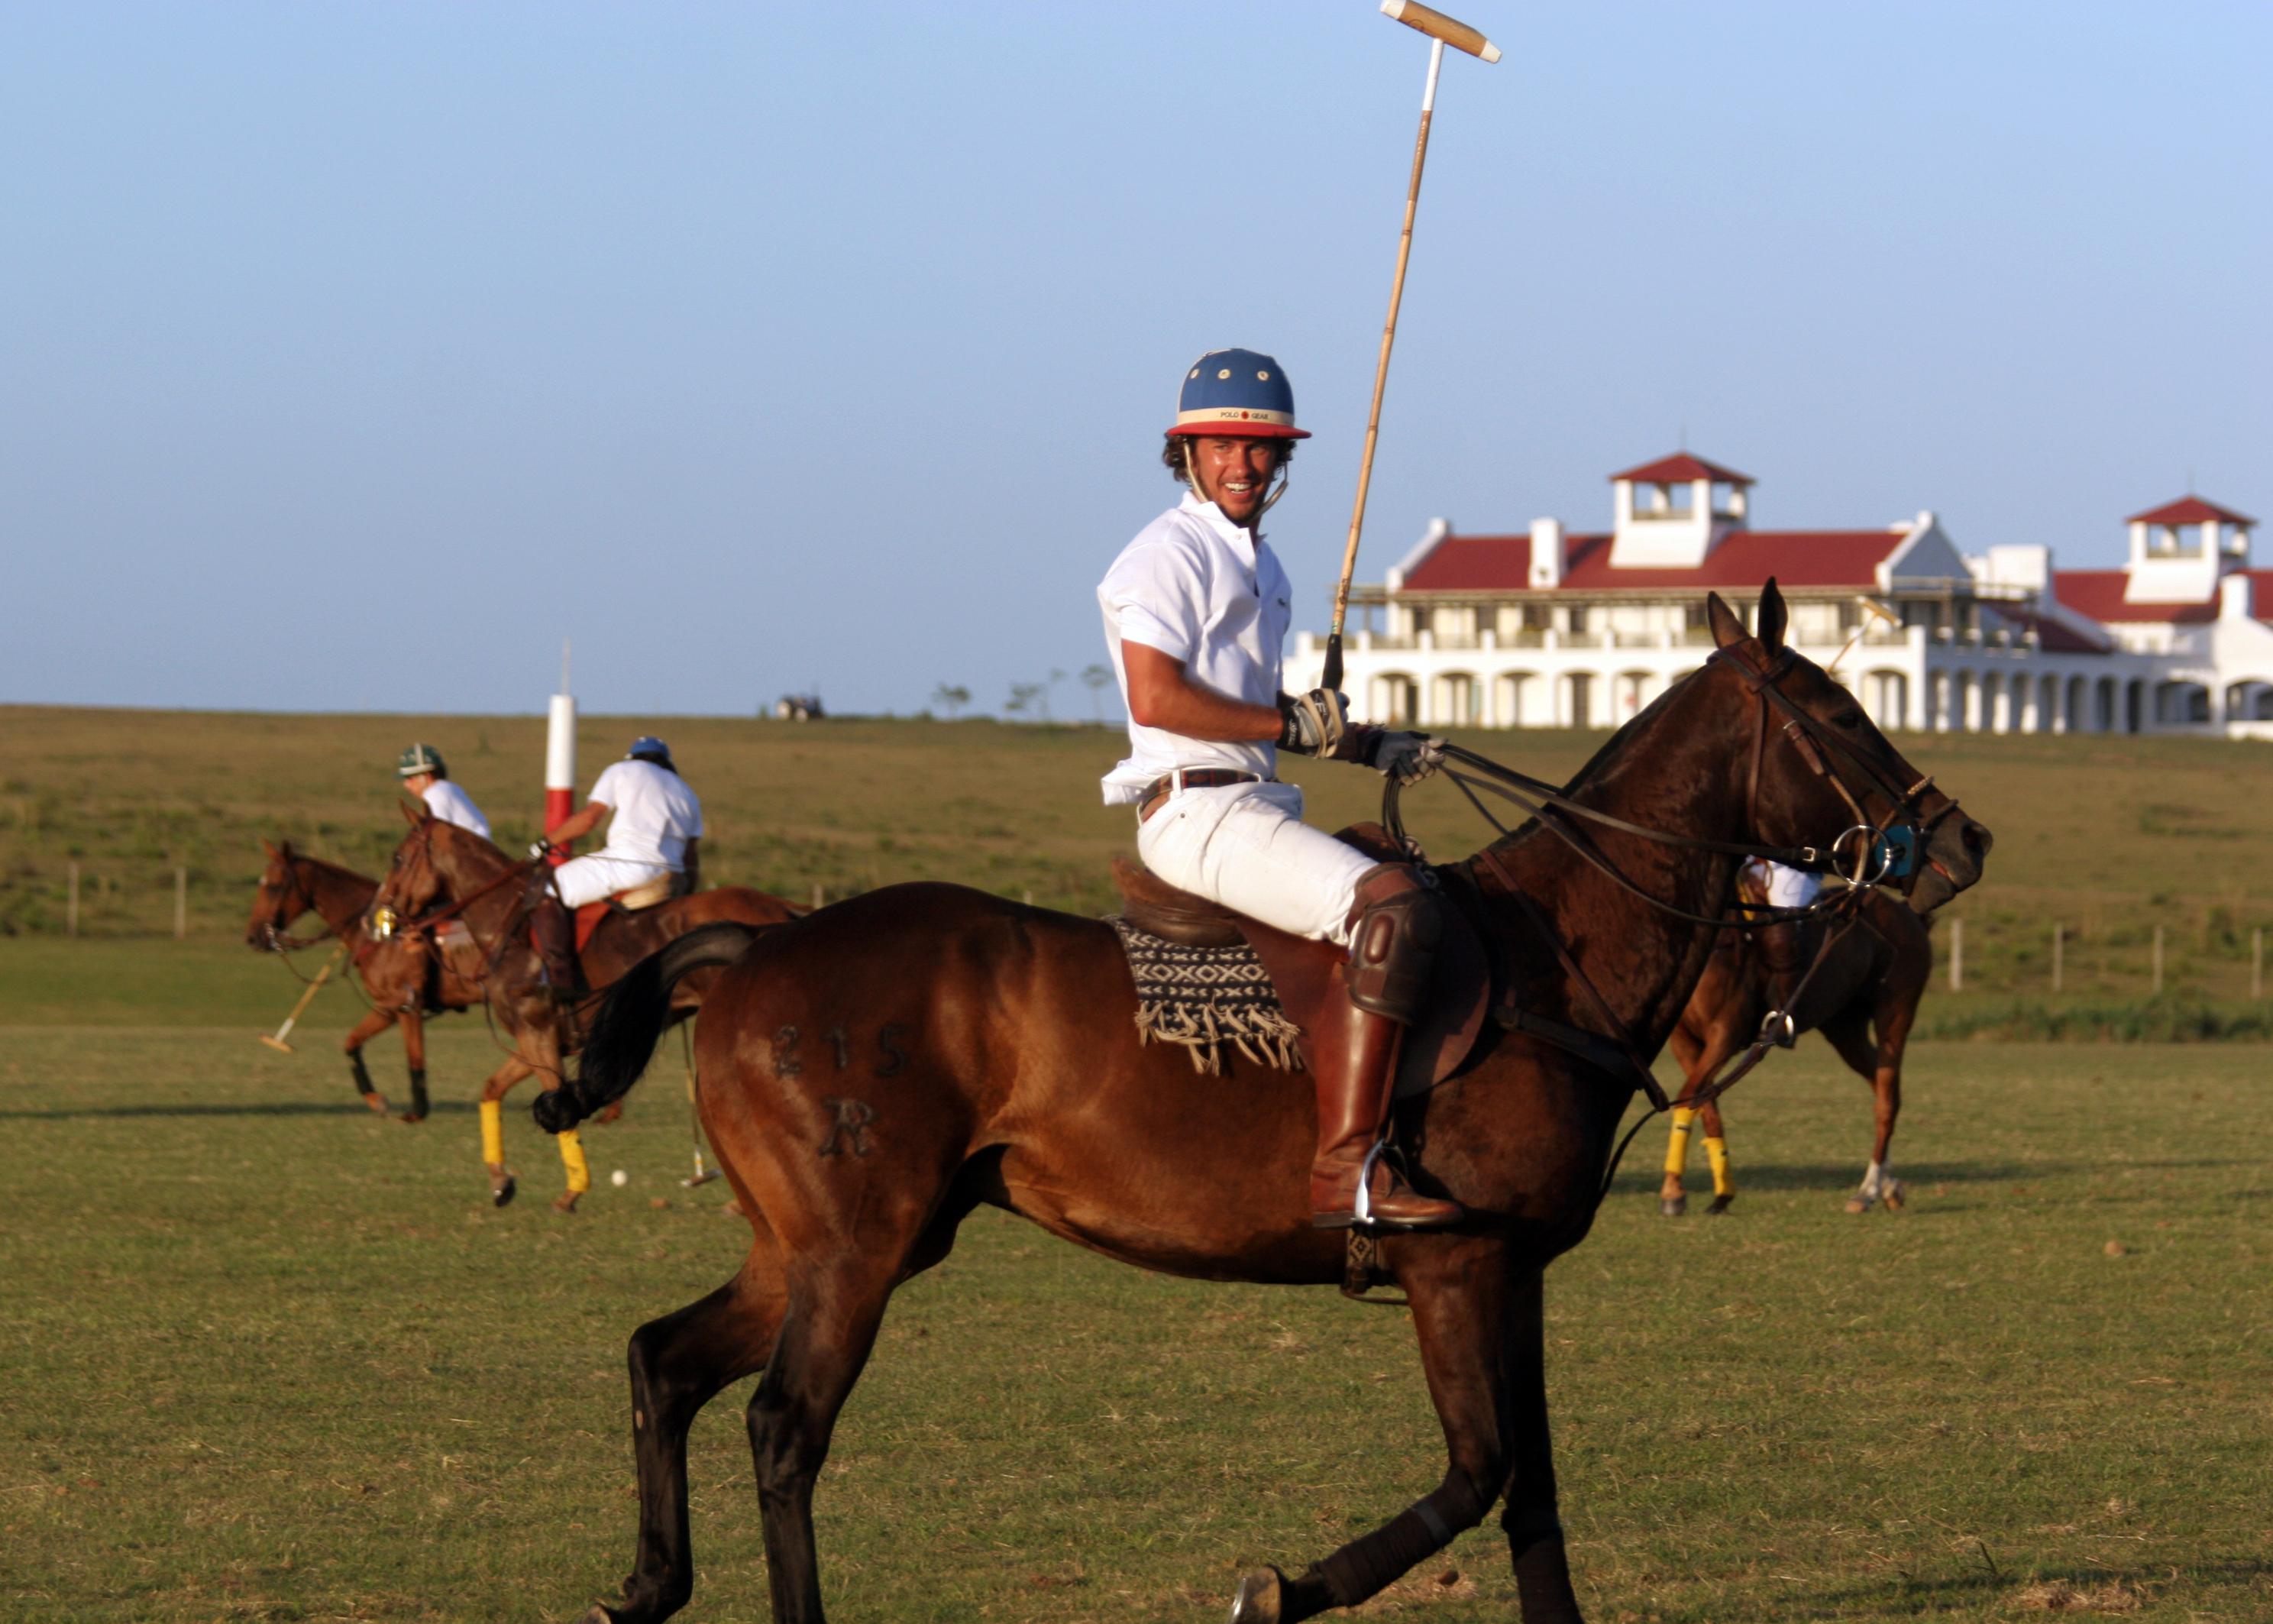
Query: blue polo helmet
{"points": [[1237, 392], [648, 748]]}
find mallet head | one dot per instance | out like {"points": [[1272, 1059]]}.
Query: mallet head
{"points": [[1437, 25], [278, 1044]]}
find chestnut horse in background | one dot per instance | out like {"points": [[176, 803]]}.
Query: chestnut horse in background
{"points": [[1871, 976], [441, 867], [873, 1072], [403, 979]]}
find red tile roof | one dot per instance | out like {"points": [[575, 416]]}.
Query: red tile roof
{"points": [[1681, 466], [1743, 559], [2190, 510], [2098, 593]]}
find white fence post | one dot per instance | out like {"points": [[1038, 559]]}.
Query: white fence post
{"points": [[817, 894], [70, 907], [1957, 955], [2059, 945], [2158, 961], [181, 902]]}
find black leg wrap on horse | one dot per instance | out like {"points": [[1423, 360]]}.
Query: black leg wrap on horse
{"points": [[1364, 1566], [419, 1104], [1542, 1568], [362, 1083]]}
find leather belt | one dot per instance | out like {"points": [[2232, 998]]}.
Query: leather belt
{"points": [[1156, 792]]}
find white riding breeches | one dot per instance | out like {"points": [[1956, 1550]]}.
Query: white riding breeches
{"points": [[1787, 888], [588, 879], [1246, 846]]}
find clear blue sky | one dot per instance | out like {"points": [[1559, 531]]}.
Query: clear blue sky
{"points": [[352, 357]]}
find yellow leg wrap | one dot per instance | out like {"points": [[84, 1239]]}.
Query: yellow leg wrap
{"points": [[1676, 1143], [493, 1132], [572, 1157], [1716, 1151]]}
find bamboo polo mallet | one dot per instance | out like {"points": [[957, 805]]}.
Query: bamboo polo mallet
{"points": [[301, 1008], [1442, 31]]}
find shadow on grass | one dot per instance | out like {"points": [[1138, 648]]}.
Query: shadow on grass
{"points": [[1906, 1594], [352, 1109], [1846, 1175]]}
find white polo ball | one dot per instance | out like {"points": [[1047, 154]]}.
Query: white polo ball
{"points": [[619, 1178]]}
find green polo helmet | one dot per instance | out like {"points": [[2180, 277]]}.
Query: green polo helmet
{"points": [[419, 758]]}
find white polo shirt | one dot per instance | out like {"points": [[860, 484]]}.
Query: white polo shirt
{"points": [[453, 805], [656, 814], [1208, 592]]}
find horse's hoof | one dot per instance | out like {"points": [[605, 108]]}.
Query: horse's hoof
{"points": [[609, 1112], [566, 1201], [502, 1194], [1893, 1197], [1258, 1598], [1720, 1204], [1858, 1204], [1672, 1206], [378, 1103], [413, 1118]]}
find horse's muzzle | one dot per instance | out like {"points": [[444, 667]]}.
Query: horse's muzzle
{"points": [[1955, 856]]}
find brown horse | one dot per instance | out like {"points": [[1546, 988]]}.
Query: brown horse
{"points": [[441, 867], [873, 1072], [402, 979], [1871, 975]]}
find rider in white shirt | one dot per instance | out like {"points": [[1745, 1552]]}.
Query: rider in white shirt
{"points": [[421, 768], [658, 831], [1196, 609]]}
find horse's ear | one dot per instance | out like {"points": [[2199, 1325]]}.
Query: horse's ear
{"points": [[414, 816], [269, 846], [1771, 618], [1727, 628]]}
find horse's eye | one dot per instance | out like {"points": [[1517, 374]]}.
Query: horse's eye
{"points": [[1850, 718]]}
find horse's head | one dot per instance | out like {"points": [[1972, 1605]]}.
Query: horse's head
{"points": [[1820, 773], [414, 883], [281, 899]]}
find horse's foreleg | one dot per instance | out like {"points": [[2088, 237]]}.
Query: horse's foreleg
{"points": [[502, 1183], [679, 1363], [1716, 1157], [1879, 1064], [414, 1056], [1672, 1198], [1456, 1309], [369, 1028], [539, 1050], [1534, 1524]]}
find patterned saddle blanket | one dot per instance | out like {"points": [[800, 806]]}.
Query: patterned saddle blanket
{"points": [[1208, 999]]}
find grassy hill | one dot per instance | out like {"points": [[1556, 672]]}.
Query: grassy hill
{"points": [[2110, 835]]}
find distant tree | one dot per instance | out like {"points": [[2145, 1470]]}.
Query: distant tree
{"points": [[950, 697], [1099, 678], [1023, 696], [1057, 677]]}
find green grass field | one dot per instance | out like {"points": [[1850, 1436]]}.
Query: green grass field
{"points": [[268, 1357], [2111, 836]]}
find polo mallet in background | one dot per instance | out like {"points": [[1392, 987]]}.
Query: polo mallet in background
{"points": [[1872, 609], [702, 1174], [307, 997], [1442, 31]]}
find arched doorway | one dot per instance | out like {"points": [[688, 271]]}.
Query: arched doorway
{"points": [[1886, 696], [1393, 700]]}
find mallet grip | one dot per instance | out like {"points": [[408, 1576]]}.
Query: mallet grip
{"points": [[1437, 25]]}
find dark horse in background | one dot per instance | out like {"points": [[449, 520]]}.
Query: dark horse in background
{"points": [[873, 1072], [441, 867], [1862, 997], [404, 979]]}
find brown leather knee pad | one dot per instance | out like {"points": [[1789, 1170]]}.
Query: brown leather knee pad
{"points": [[1399, 927]]}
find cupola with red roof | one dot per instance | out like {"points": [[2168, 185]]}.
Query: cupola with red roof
{"points": [[1671, 513], [2179, 550]]}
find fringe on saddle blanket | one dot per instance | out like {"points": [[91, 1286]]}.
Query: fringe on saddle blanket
{"points": [[1206, 998]]}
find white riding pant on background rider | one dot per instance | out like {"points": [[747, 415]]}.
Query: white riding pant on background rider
{"points": [[1247, 846], [1785, 888], [588, 879]]}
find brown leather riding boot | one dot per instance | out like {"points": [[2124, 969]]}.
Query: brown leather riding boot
{"points": [[1395, 930], [554, 932], [1352, 1106]]}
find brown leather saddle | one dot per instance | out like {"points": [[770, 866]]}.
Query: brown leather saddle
{"points": [[1308, 975], [647, 894]]}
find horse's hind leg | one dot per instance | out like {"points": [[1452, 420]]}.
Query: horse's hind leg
{"points": [[414, 1057], [370, 1027], [1879, 1064], [679, 1363], [502, 1183], [824, 1342]]}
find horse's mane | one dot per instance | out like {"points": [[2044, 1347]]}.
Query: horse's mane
{"points": [[467, 847], [290, 855]]}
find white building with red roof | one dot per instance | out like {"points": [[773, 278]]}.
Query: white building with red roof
{"points": [[1555, 628]]}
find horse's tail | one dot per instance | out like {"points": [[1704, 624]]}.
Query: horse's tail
{"points": [[631, 1018]]}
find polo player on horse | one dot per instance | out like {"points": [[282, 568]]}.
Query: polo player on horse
{"points": [[657, 832], [1196, 609], [423, 773]]}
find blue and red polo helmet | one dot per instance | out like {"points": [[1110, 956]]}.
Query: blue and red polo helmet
{"points": [[1237, 392]]}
